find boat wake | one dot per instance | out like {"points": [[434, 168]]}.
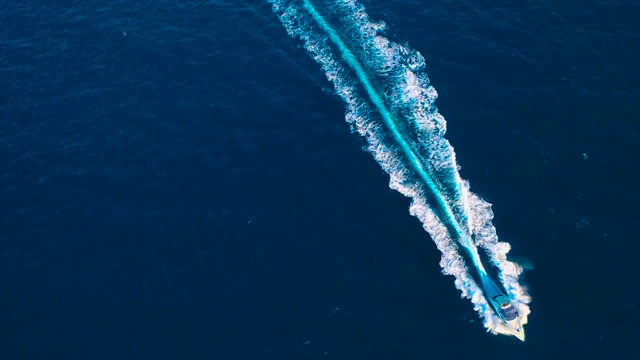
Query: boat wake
{"points": [[391, 103]]}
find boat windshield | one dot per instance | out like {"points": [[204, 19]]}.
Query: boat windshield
{"points": [[505, 308], [509, 313]]}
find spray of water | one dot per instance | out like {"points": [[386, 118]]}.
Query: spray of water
{"points": [[391, 103]]}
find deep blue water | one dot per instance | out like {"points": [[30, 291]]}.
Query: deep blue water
{"points": [[177, 181]]}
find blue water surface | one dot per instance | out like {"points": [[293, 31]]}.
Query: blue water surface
{"points": [[177, 181]]}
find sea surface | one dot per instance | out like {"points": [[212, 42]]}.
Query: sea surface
{"points": [[177, 181]]}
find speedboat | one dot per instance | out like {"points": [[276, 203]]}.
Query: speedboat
{"points": [[508, 314]]}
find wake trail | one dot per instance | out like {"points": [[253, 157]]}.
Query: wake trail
{"points": [[391, 103]]}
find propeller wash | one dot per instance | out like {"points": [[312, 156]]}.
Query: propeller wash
{"points": [[391, 103]]}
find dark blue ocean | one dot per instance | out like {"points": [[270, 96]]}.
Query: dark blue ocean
{"points": [[177, 181]]}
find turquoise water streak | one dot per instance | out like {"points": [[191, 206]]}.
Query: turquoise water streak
{"points": [[389, 120], [406, 136]]}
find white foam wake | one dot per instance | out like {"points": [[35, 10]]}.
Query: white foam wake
{"points": [[391, 103]]}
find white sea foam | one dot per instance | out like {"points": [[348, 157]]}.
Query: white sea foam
{"points": [[409, 144]]}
